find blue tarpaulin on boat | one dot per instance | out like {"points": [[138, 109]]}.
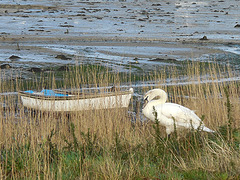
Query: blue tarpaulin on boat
{"points": [[47, 92], [29, 91]]}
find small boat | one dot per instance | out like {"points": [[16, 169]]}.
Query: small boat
{"points": [[65, 101]]}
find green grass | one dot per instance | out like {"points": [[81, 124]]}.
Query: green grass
{"points": [[89, 158]]}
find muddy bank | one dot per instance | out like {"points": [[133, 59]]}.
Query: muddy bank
{"points": [[118, 33], [139, 19]]}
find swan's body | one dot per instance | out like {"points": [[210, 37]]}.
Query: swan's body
{"points": [[170, 114]]}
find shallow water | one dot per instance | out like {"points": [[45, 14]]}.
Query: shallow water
{"points": [[116, 33]]}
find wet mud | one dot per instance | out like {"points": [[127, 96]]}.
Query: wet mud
{"points": [[36, 35]]}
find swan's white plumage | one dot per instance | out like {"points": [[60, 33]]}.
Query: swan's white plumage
{"points": [[170, 113]]}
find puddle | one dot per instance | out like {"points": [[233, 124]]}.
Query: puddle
{"points": [[235, 49]]}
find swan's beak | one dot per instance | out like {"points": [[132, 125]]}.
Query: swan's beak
{"points": [[145, 102]]}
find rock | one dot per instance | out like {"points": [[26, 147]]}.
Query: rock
{"points": [[35, 70], [237, 26], [204, 38], [13, 57], [80, 15], [63, 57], [156, 5], [136, 62], [66, 26], [5, 66], [66, 32]]}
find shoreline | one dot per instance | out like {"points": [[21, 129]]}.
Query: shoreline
{"points": [[109, 39]]}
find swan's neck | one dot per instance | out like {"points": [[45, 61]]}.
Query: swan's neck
{"points": [[158, 101], [153, 98], [154, 103], [148, 108]]}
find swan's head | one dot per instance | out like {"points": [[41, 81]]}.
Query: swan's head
{"points": [[155, 94]]}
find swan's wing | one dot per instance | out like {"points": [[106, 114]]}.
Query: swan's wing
{"points": [[182, 115]]}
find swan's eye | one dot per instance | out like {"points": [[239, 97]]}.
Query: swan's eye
{"points": [[145, 102], [146, 99]]}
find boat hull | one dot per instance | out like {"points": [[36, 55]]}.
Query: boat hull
{"points": [[76, 103]]}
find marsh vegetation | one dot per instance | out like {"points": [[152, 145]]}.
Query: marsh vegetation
{"points": [[112, 144]]}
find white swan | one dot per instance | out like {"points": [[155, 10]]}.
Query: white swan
{"points": [[170, 113]]}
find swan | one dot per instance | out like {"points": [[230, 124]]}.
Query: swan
{"points": [[170, 114]]}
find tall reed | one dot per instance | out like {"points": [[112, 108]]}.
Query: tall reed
{"points": [[106, 144]]}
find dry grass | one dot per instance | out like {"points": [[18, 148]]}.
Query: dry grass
{"points": [[105, 144]]}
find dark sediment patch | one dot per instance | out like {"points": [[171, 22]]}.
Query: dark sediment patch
{"points": [[18, 6], [63, 68], [167, 60], [136, 62], [35, 70], [156, 5], [66, 25], [13, 57], [63, 57], [5, 66]]}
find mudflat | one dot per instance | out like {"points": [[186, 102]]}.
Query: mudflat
{"points": [[144, 33]]}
